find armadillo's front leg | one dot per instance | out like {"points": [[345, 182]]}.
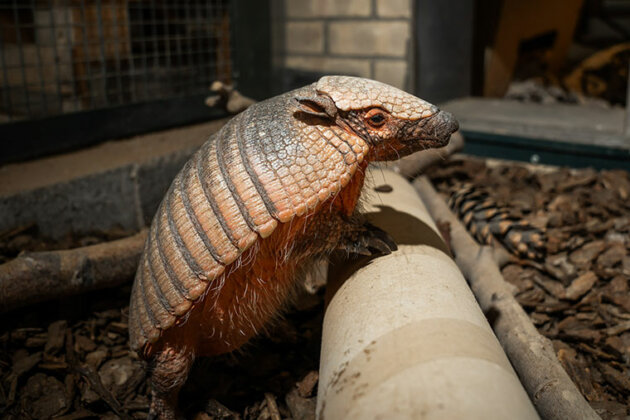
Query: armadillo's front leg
{"points": [[367, 239]]}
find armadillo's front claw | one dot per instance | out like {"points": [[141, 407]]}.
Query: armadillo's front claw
{"points": [[370, 241], [387, 244]]}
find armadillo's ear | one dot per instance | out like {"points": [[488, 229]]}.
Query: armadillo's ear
{"points": [[317, 105]]}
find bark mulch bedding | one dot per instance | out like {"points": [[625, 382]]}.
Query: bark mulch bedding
{"points": [[578, 296], [70, 360], [79, 366]]}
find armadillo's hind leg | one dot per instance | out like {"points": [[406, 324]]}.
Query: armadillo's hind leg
{"points": [[368, 240], [169, 370]]}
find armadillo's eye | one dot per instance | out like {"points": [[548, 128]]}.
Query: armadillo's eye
{"points": [[376, 117]]}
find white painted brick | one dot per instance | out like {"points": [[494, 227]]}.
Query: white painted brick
{"points": [[327, 8], [305, 37], [369, 38], [349, 66], [392, 72], [393, 8]]}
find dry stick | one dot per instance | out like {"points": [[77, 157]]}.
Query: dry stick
{"points": [[35, 277], [548, 385], [274, 413]]}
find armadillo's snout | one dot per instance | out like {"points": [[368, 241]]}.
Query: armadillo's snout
{"points": [[429, 132], [440, 127]]}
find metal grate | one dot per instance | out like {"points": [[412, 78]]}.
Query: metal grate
{"points": [[64, 56]]}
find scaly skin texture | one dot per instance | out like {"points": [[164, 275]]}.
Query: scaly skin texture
{"points": [[275, 188]]}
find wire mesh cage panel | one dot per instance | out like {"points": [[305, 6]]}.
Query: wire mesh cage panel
{"points": [[64, 56]]}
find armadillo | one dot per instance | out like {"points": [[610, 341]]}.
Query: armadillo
{"points": [[275, 188]]}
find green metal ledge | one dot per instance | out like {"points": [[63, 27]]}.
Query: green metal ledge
{"points": [[546, 152], [552, 134]]}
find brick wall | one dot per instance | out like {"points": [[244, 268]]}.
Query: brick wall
{"points": [[367, 38]]}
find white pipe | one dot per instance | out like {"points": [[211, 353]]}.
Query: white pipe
{"points": [[404, 338]]}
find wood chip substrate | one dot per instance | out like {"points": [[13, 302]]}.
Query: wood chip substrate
{"points": [[578, 295]]}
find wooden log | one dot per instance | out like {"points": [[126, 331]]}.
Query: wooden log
{"points": [[532, 355], [39, 276]]}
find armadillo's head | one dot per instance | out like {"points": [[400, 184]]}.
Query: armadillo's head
{"points": [[393, 122]]}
